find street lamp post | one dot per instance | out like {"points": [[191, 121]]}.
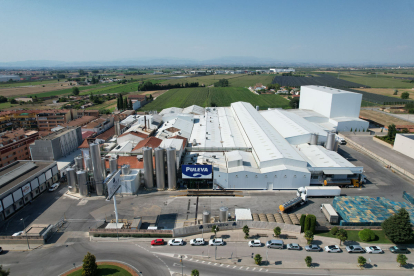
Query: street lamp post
{"points": [[24, 229]]}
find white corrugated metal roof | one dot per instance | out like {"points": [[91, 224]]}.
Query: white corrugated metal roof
{"points": [[329, 90], [194, 109], [318, 156], [267, 143], [175, 143], [171, 110]]}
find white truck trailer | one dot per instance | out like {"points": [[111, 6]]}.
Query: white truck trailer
{"points": [[321, 191], [330, 213]]}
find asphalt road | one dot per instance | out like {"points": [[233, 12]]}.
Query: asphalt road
{"points": [[156, 261]]}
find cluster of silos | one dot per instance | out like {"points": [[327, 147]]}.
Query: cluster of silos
{"points": [[165, 168], [98, 165]]}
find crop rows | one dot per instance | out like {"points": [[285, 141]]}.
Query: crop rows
{"points": [[380, 99], [323, 80], [218, 96]]}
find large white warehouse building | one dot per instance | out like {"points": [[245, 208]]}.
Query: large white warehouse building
{"points": [[333, 109], [250, 149]]}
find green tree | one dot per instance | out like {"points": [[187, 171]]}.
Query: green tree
{"points": [[402, 259], [361, 261], [395, 92], [4, 272], [125, 105], [294, 103], [309, 236], [246, 231], [277, 231], [308, 261], [392, 131], [307, 223], [258, 259], [398, 227], [405, 95], [342, 235], [215, 229], [302, 222], [89, 268], [334, 230], [118, 103], [366, 235], [130, 104], [312, 223], [75, 91], [195, 272], [13, 101]]}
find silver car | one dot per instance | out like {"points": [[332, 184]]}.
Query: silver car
{"points": [[255, 243], [355, 249], [293, 246], [313, 247]]}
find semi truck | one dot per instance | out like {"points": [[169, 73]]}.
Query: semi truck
{"points": [[330, 213], [300, 200], [343, 183], [315, 191]]}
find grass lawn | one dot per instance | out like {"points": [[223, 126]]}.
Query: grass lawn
{"points": [[6, 105], [220, 96], [106, 270], [29, 83], [353, 236], [105, 105]]}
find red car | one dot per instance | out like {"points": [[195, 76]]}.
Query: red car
{"points": [[157, 242]]}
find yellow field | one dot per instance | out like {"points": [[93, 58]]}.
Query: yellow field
{"points": [[387, 91], [382, 118]]}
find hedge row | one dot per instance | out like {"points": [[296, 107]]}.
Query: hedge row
{"points": [[106, 235]]}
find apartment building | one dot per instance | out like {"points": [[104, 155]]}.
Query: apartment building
{"points": [[49, 119], [18, 119], [14, 145]]}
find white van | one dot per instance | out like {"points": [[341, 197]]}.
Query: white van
{"points": [[275, 244]]}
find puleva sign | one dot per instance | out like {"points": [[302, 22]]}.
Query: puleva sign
{"points": [[197, 171]]}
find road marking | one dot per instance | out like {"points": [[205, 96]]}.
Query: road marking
{"points": [[241, 267], [247, 268], [227, 265], [82, 202], [221, 264], [260, 269], [197, 260], [235, 266], [209, 263], [267, 270], [254, 268], [203, 262], [216, 264]]}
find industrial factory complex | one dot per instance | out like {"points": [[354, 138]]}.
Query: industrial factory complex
{"points": [[236, 147]]}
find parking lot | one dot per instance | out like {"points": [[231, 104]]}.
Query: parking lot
{"points": [[174, 211]]}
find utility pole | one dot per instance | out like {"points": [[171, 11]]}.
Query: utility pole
{"points": [[182, 268], [24, 229]]}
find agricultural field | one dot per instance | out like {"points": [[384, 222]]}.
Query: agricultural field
{"points": [[251, 80], [112, 88], [27, 90], [379, 99], [321, 79], [111, 105], [29, 83], [387, 92], [382, 118], [208, 96], [377, 81], [206, 80]]}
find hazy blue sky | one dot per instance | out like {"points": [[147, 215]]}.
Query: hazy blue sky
{"points": [[291, 31]]}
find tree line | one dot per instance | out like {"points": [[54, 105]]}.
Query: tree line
{"points": [[149, 86]]}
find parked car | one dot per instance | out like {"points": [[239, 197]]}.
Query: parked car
{"points": [[1, 250], [313, 247], [374, 250], [198, 241], [275, 244], [399, 249], [17, 234], [54, 187], [355, 249], [157, 242], [176, 242], [216, 242], [332, 249], [293, 246], [255, 243]]}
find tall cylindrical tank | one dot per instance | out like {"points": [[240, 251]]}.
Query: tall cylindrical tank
{"points": [[206, 217], [125, 169], [117, 128], [223, 214], [71, 174], [171, 169], [257, 107], [88, 163], [336, 145], [97, 168], [330, 141], [113, 165], [148, 168], [79, 163], [103, 168], [314, 139], [82, 182], [160, 167]]}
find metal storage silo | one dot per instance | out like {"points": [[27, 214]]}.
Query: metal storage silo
{"points": [[117, 128], [223, 214], [125, 169], [79, 162], [113, 165], [97, 168], [206, 217], [88, 163], [336, 145], [83, 185], [171, 169], [314, 139], [71, 175], [148, 168], [103, 168], [330, 141], [160, 167], [257, 107]]}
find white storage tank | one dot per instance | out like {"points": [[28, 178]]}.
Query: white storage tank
{"points": [[148, 168], [172, 169], [71, 175], [223, 214], [82, 182]]}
